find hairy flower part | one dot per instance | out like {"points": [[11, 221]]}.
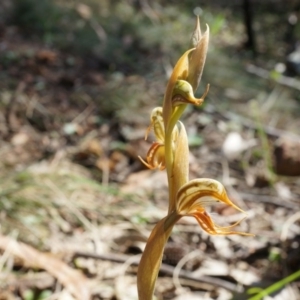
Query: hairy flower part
{"points": [[171, 151], [180, 71], [189, 68], [190, 198], [196, 195], [156, 154], [155, 157], [208, 225], [157, 123], [183, 94]]}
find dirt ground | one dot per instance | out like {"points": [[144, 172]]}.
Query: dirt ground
{"points": [[77, 205]]}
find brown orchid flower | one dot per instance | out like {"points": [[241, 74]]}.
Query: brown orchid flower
{"points": [[156, 154], [171, 151]]}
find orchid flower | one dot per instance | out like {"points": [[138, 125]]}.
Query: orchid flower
{"points": [[171, 151], [156, 154]]}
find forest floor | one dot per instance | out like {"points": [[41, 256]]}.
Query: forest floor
{"points": [[77, 205]]}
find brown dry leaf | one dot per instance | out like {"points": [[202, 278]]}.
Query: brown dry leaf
{"points": [[20, 139], [84, 11], [93, 147], [38, 280], [46, 55], [6, 295], [119, 161], [71, 279], [287, 157], [104, 164]]}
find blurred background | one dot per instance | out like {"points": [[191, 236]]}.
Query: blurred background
{"points": [[78, 80]]}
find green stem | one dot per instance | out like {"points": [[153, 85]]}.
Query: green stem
{"points": [[276, 286], [169, 155], [152, 256]]}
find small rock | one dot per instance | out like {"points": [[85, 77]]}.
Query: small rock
{"points": [[287, 157], [234, 145], [20, 139], [293, 62]]}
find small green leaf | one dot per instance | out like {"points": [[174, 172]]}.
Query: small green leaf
{"points": [[28, 295], [195, 140], [274, 254], [45, 294], [274, 75], [254, 290]]}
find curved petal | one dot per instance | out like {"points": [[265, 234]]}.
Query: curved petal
{"points": [[208, 225], [180, 71], [200, 193], [155, 157], [157, 123], [183, 94]]}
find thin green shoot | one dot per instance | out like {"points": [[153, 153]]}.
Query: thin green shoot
{"points": [[276, 286]]}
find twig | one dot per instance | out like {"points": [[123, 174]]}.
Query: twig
{"points": [[270, 131], [166, 269], [70, 205], [99, 30], [149, 12], [269, 199], [180, 265], [73, 280], [284, 80], [286, 226], [84, 114]]}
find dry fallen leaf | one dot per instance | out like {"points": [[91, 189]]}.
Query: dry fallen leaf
{"points": [[71, 279], [287, 157], [46, 55], [84, 11]]}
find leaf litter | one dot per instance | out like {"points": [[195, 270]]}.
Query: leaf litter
{"points": [[77, 206]]}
